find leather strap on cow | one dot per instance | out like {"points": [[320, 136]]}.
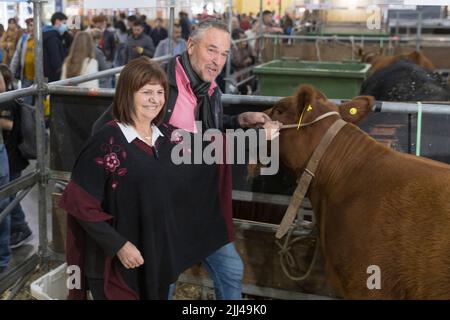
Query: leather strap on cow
{"points": [[306, 177]]}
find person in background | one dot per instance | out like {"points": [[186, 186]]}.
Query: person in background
{"points": [[9, 40], [287, 23], [197, 18], [251, 17], [20, 232], [147, 28], [241, 58], [185, 25], [138, 43], [120, 37], [22, 63], [120, 16], [234, 23], [2, 31], [288, 26], [178, 43], [85, 23], [131, 20], [268, 25], [159, 32], [81, 60], [103, 64], [8, 77], [56, 43], [245, 23], [106, 42], [5, 223], [252, 33]]}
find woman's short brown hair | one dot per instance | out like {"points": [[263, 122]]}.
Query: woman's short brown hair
{"points": [[136, 74]]}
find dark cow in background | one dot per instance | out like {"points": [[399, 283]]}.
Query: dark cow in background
{"points": [[380, 61], [374, 206], [405, 80]]}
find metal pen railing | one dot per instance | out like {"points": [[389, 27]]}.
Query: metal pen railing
{"points": [[442, 108]]}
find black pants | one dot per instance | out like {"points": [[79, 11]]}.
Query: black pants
{"points": [[96, 286]]}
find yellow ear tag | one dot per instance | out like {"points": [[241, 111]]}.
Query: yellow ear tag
{"points": [[353, 111], [308, 108]]}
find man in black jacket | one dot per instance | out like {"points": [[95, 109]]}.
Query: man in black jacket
{"points": [[158, 32], [57, 41], [194, 96]]}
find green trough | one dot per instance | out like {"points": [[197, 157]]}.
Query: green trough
{"points": [[338, 80]]}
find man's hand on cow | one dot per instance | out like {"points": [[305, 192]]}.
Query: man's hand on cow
{"points": [[252, 119], [272, 129]]}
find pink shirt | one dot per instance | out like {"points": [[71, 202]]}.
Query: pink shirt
{"points": [[184, 111]]}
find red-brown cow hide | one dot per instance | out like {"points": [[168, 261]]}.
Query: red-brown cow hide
{"points": [[374, 206]]}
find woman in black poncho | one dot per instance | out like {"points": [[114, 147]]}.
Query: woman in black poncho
{"points": [[127, 231]]}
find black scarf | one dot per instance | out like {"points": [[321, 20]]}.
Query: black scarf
{"points": [[203, 111]]}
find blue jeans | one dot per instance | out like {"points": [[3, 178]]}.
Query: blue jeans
{"points": [[5, 225], [226, 269], [18, 222]]}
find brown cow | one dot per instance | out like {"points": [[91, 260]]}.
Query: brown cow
{"points": [[379, 61], [374, 206]]}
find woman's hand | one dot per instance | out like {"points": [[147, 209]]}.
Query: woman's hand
{"points": [[130, 256]]}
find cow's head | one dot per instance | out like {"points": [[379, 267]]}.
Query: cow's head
{"points": [[297, 146], [368, 56]]}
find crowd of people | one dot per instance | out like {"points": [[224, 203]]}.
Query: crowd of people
{"points": [[118, 40], [136, 220], [14, 229]]}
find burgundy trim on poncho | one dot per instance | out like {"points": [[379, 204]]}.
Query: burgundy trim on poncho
{"points": [[87, 208]]}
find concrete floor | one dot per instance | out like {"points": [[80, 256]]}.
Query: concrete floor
{"points": [[30, 207]]}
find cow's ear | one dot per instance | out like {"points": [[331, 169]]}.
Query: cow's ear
{"points": [[308, 101], [306, 95], [357, 109]]}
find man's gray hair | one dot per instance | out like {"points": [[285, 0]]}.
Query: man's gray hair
{"points": [[206, 25]]}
